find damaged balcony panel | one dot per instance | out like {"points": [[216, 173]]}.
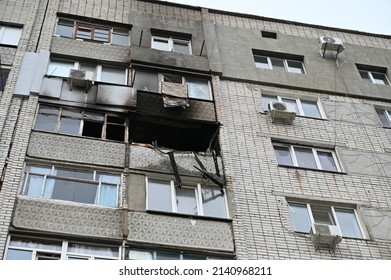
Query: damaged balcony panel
{"points": [[150, 159], [51, 87], [174, 95], [152, 103], [116, 95]]}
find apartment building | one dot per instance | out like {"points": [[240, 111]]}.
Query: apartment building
{"points": [[153, 130]]}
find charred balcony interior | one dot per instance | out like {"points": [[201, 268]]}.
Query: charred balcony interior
{"points": [[181, 135]]}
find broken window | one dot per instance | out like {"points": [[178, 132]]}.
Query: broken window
{"points": [[196, 87], [77, 185], [162, 195], [182, 135], [80, 122]]}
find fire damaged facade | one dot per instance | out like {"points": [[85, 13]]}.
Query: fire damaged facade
{"points": [[152, 130]]}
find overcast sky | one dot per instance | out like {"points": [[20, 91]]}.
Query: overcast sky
{"points": [[372, 16]]}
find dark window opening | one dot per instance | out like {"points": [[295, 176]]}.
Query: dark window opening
{"points": [[173, 78], [269, 34], [47, 256], [115, 129], [3, 78], [92, 129], [174, 134]]}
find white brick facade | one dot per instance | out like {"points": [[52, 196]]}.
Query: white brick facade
{"points": [[258, 189]]}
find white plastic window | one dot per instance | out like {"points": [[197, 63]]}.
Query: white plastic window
{"points": [[306, 157], [74, 185], [22, 248], [162, 255], [374, 77], [384, 117], [163, 196], [171, 44], [279, 64], [302, 107], [10, 35], [304, 214]]}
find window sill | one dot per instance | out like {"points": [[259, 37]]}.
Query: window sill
{"points": [[90, 41], [299, 116], [189, 216], [343, 237], [8, 46], [312, 169], [67, 202]]}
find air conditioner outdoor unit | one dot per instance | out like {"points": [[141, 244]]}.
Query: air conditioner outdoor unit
{"points": [[331, 44], [279, 111], [325, 236], [81, 78]]}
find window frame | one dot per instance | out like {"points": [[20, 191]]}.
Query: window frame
{"points": [[106, 124], [153, 254], [285, 62], [171, 43], [371, 79], [53, 176], [76, 25], [299, 105], [198, 196], [387, 116], [14, 42], [8, 70], [63, 252], [98, 70], [184, 81], [315, 151], [334, 219]]}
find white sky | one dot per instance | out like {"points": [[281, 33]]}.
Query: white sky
{"points": [[372, 16]]}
